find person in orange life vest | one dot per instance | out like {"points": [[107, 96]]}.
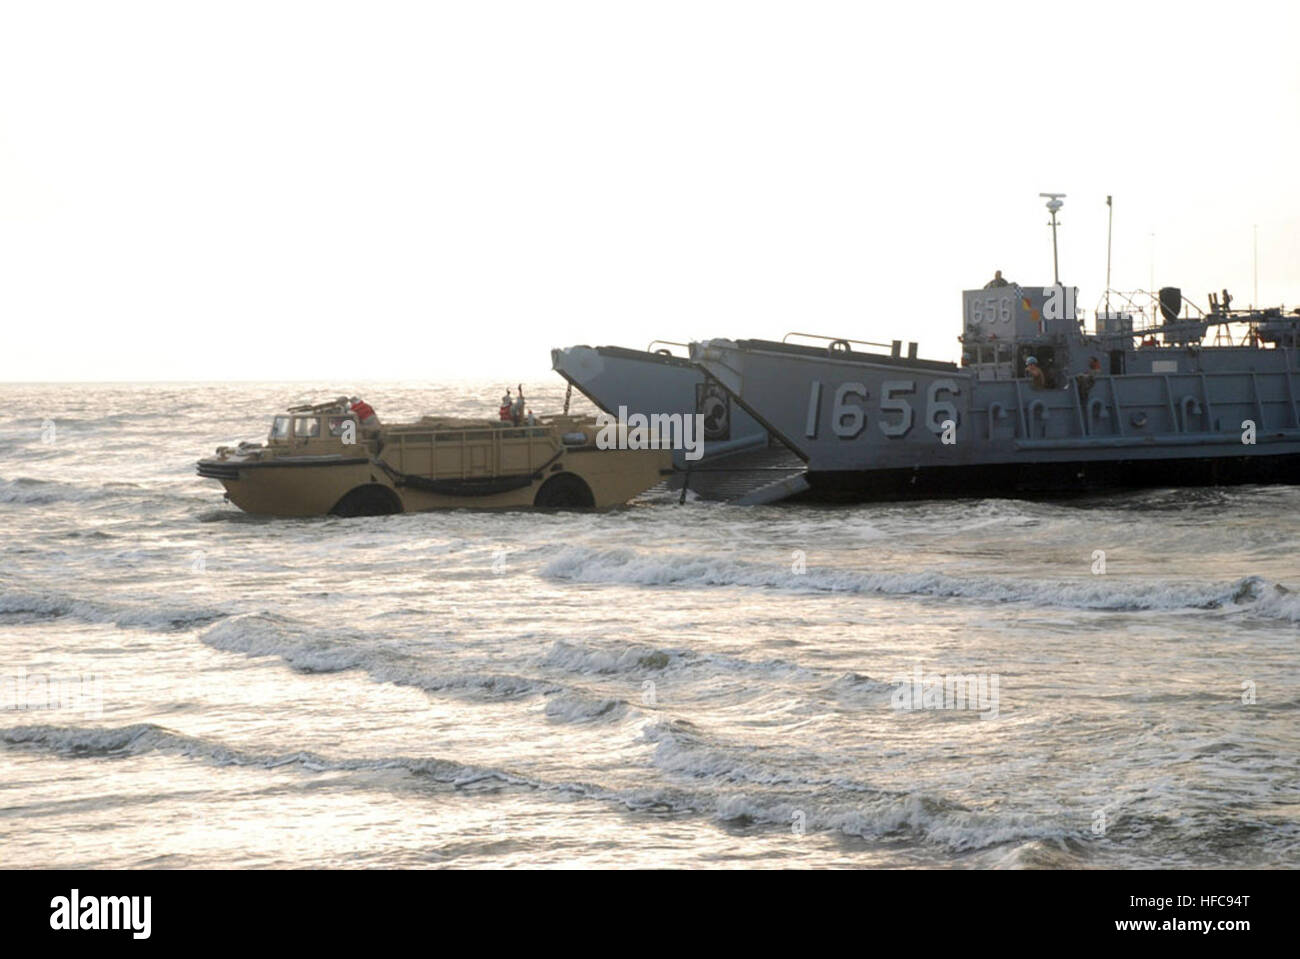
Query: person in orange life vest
{"points": [[365, 412], [507, 408]]}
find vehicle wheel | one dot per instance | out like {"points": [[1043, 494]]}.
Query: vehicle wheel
{"points": [[565, 491], [373, 500]]}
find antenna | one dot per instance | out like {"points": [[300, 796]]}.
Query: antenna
{"points": [[1110, 222], [1256, 303], [1152, 280], [1053, 204]]}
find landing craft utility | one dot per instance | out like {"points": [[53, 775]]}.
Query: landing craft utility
{"points": [[336, 457], [1039, 404]]}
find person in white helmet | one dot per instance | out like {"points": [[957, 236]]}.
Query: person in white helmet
{"points": [[1035, 373]]}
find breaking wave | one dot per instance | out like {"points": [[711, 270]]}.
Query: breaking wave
{"points": [[27, 491], [38, 606], [867, 814], [308, 649], [625, 566], [144, 738], [33, 492], [608, 659], [575, 708]]}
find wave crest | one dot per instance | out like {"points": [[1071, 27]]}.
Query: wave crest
{"points": [[625, 566]]}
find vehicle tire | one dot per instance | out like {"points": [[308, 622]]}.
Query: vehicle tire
{"points": [[372, 500], [565, 491]]}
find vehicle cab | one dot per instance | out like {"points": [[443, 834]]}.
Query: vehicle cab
{"points": [[326, 427]]}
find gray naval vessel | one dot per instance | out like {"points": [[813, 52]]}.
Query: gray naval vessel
{"points": [[1158, 392]]}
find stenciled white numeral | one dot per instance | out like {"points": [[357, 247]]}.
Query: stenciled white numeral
{"points": [[937, 410], [848, 419], [814, 407], [891, 401]]}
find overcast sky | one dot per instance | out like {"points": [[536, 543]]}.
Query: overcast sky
{"points": [[370, 191]]}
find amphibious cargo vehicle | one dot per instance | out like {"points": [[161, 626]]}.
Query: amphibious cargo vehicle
{"points": [[322, 459]]}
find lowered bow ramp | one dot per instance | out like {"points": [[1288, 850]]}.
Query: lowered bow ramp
{"points": [[647, 383], [747, 477], [741, 463]]}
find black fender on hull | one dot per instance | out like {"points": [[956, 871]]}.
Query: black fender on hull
{"points": [[1049, 479]]}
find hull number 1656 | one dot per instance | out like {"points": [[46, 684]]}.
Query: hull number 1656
{"points": [[896, 415]]}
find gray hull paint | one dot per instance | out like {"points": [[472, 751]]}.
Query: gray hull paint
{"points": [[871, 422]]}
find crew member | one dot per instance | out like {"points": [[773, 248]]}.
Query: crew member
{"points": [[365, 413], [1035, 373], [1087, 379], [996, 282], [507, 408], [517, 411]]}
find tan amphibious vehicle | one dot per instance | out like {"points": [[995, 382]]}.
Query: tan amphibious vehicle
{"points": [[325, 459]]}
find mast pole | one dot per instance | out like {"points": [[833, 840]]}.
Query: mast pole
{"points": [[1152, 280], [1053, 204], [1255, 304], [1110, 223], [1056, 269]]}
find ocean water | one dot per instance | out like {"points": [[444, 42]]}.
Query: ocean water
{"points": [[663, 685]]}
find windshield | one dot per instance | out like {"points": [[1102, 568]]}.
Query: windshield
{"points": [[280, 428]]}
